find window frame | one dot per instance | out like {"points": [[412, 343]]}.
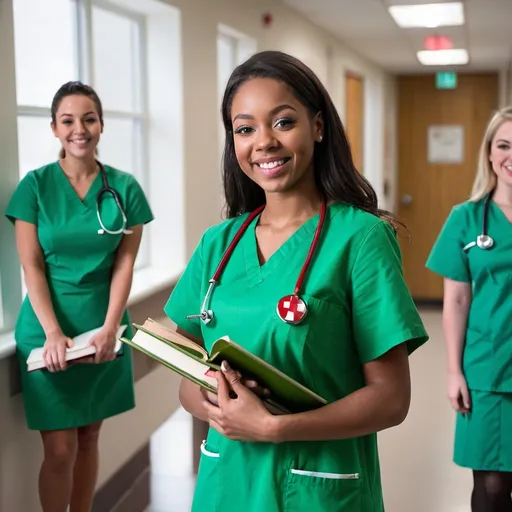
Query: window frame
{"points": [[165, 185], [84, 59]]}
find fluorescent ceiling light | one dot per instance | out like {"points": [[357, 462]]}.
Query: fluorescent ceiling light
{"points": [[443, 57], [428, 15]]}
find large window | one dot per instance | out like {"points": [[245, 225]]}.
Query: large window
{"points": [[130, 52], [233, 48], [100, 44]]}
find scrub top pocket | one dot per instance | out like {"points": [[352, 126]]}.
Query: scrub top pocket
{"points": [[309, 490]]}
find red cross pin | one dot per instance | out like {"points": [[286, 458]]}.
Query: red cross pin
{"points": [[291, 309]]}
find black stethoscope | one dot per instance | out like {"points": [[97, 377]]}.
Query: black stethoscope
{"points": [[483, 241], [106, 189], [291, 308]]}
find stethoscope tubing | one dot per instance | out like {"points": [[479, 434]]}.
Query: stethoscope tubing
{"points": [[106, 189], [206, 314], [483, 241]]}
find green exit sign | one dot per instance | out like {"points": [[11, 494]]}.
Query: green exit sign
{"points": [[446, 80]]}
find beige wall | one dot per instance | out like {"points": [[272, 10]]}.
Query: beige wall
{"points": [[390, 168], [289, 32], [20, 450]]}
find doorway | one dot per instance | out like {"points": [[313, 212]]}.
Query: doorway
{"points": [[431, 182], [354, 117]]}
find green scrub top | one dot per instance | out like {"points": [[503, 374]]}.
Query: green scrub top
{"points": [[79, 264], [487, 359], [359, 308]]}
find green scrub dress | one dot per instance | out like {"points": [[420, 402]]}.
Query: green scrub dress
{"points": [[483, 439], [359, 308], [79, 265]]}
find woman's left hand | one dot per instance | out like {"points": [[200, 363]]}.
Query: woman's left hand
{"points": [[243, 418], [105, 342]]}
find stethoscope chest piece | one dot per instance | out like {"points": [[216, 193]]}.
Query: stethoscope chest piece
{"points": [[484, 242], [292, 309]]}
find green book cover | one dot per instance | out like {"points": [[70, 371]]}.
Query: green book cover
{"points": [[190, 360], [284, 389]]}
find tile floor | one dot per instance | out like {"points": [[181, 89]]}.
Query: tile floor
{"points": [[417, 472]]}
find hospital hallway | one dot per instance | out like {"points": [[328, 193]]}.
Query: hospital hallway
{"points": [[415, 85], [416, 457]]}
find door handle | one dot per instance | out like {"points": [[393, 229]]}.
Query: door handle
{"points": [[406, 199]]}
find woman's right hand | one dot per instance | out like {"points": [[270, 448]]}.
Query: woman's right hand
{"points": [[458, 392], [250, 384], [54, 351]]}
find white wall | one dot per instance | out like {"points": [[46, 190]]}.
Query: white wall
{"points": [[289, 32]]}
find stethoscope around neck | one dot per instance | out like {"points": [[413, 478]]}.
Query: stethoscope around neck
{"points": [[483, 241], [106, 189], [291, 309]]}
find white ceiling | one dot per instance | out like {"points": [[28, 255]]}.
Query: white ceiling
{"points": [[368, 28]]}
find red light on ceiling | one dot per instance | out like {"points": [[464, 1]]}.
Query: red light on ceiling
{"points": [[438, 43], [267, 19]]}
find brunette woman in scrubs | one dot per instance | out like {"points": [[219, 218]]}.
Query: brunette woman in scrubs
{"points": [[477, 318], [77, 280], [286, 149]]}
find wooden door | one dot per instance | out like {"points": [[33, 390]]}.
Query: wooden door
{"points": [[354, 116], [427, 191]]}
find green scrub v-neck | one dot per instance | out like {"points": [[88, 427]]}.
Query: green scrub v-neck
{"points": [[257, 272]]}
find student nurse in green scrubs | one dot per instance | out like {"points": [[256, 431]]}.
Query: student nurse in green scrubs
{"points": [[477, 319], [77, 280], [286, 151]]}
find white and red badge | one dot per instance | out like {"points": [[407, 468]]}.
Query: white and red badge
{"points": [[291, 309]]}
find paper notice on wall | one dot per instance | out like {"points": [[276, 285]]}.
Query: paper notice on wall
{"points": [[445, 144]]}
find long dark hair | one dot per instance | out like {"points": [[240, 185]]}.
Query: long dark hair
{"points": [[335, 173], [69, 89]]}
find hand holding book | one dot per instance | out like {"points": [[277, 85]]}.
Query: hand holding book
{"points": [[252, 385], [54, 351], [193, 362], [104, 341], [243, 417], [59, 352]]}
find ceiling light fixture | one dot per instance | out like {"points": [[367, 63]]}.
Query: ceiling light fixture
{"points": [[428, 15], [443, 57]]}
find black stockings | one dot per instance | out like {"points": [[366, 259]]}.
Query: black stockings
{"points": [[491, 492]]}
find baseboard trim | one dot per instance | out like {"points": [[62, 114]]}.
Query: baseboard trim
{"points": [[429, 303], [127, 490]]}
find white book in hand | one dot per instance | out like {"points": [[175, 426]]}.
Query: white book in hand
{"points": [[79, 350]]}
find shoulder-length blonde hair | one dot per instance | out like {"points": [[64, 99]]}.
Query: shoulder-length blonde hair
{"points": [[485, 179]]}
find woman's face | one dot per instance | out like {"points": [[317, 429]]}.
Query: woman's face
{"points": [[78, 126], [274, 135], [501, 153]]}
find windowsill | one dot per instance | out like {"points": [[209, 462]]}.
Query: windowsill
{"points": [[7, 344], [151, 280], [146, 282]]}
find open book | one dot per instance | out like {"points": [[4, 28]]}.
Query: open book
{"points": [[78, 351], [192, 361]]}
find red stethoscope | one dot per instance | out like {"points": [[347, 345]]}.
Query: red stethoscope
{"points": [[291, 308]]}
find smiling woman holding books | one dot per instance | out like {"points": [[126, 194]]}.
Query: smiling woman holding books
{"points": [[313, 286]]}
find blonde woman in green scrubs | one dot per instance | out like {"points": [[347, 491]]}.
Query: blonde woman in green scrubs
{"points": [[77, 280], [286, 151], [477, 319]]}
